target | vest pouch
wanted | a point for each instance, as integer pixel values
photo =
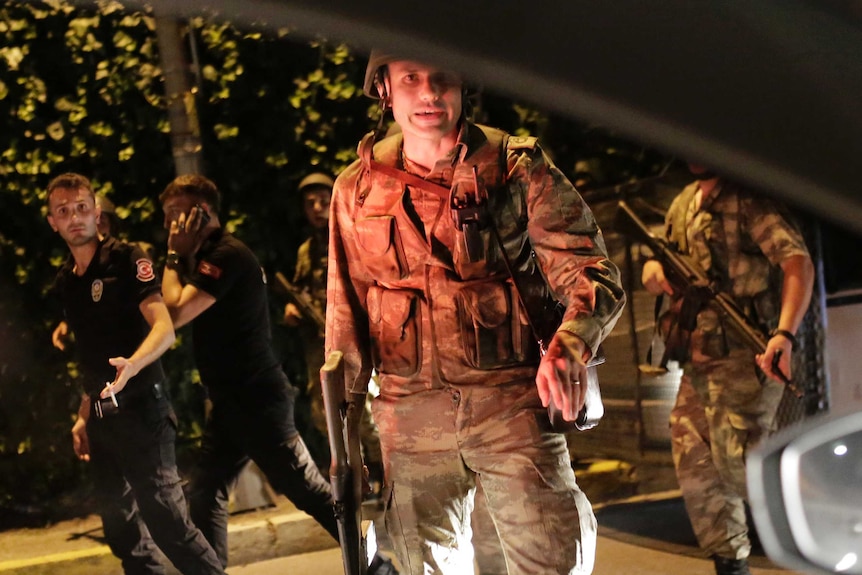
(382, 251)
(491, 336)
(394, 327)
(524, 342)
(709, 339)
(471, 263)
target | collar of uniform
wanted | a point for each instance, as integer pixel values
(100, 255)
(470, 138)
(211, 240)
(103, 252)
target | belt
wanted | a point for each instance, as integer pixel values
(126, 398)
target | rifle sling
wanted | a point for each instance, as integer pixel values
(410, 179)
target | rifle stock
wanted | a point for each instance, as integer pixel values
(685, 276)
(345, 471)
(300, 300)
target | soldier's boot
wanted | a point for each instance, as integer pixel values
(725, 566)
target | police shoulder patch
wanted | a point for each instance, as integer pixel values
(145, 271)
(208, 269)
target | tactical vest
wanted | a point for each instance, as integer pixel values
(484, 296)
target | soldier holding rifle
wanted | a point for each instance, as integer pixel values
(305, 310)
(753, 254)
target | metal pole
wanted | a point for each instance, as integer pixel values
(182, 112)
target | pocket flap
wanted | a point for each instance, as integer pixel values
(488, 304)
(374, 234)
(395, 307)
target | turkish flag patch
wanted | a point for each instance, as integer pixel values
(145, 270)
(208, 269)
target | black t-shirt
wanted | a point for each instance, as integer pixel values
(102, 310)
(232, 339)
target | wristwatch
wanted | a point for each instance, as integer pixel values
(173, 261)
(790, 336)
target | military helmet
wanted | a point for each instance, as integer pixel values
(109, 215)
(106, 205)
(316, 179)
(376, 61)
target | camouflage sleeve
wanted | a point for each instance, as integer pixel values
(303, 264)
(570, 248)
(771, 227)
(674, 220)
(347, 286)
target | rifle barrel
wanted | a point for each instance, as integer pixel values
(300, 299)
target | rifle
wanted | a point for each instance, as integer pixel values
(301, 300)
(696, 286)
(345, 470)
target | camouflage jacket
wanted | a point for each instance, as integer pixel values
(740, 240)
(310, 272)
(403, 295)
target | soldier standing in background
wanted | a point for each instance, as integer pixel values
(309, 283)
(728, 397)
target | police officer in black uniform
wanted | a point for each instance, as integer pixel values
(125, 427)
(214, 279)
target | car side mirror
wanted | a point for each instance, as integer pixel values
(805, 489)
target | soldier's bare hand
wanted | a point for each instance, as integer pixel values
(653, 278)
(292, 315)
(562, 375)
(776, 344)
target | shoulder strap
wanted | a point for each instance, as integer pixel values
(677, 225)
(366, 155)
(410, 179)
(506, 144)
(497, 138)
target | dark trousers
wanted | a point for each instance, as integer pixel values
(257, 424)
(142, 504)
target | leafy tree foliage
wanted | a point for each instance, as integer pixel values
(82, 89)
(78, 92)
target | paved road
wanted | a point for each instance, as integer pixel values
(614, 558)
(647, 534)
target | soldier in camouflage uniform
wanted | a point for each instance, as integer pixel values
(310, 276)
(728, 396)
(418, 289)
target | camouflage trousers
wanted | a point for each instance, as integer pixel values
(436, 443)
(489, 556)
(722, 410)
